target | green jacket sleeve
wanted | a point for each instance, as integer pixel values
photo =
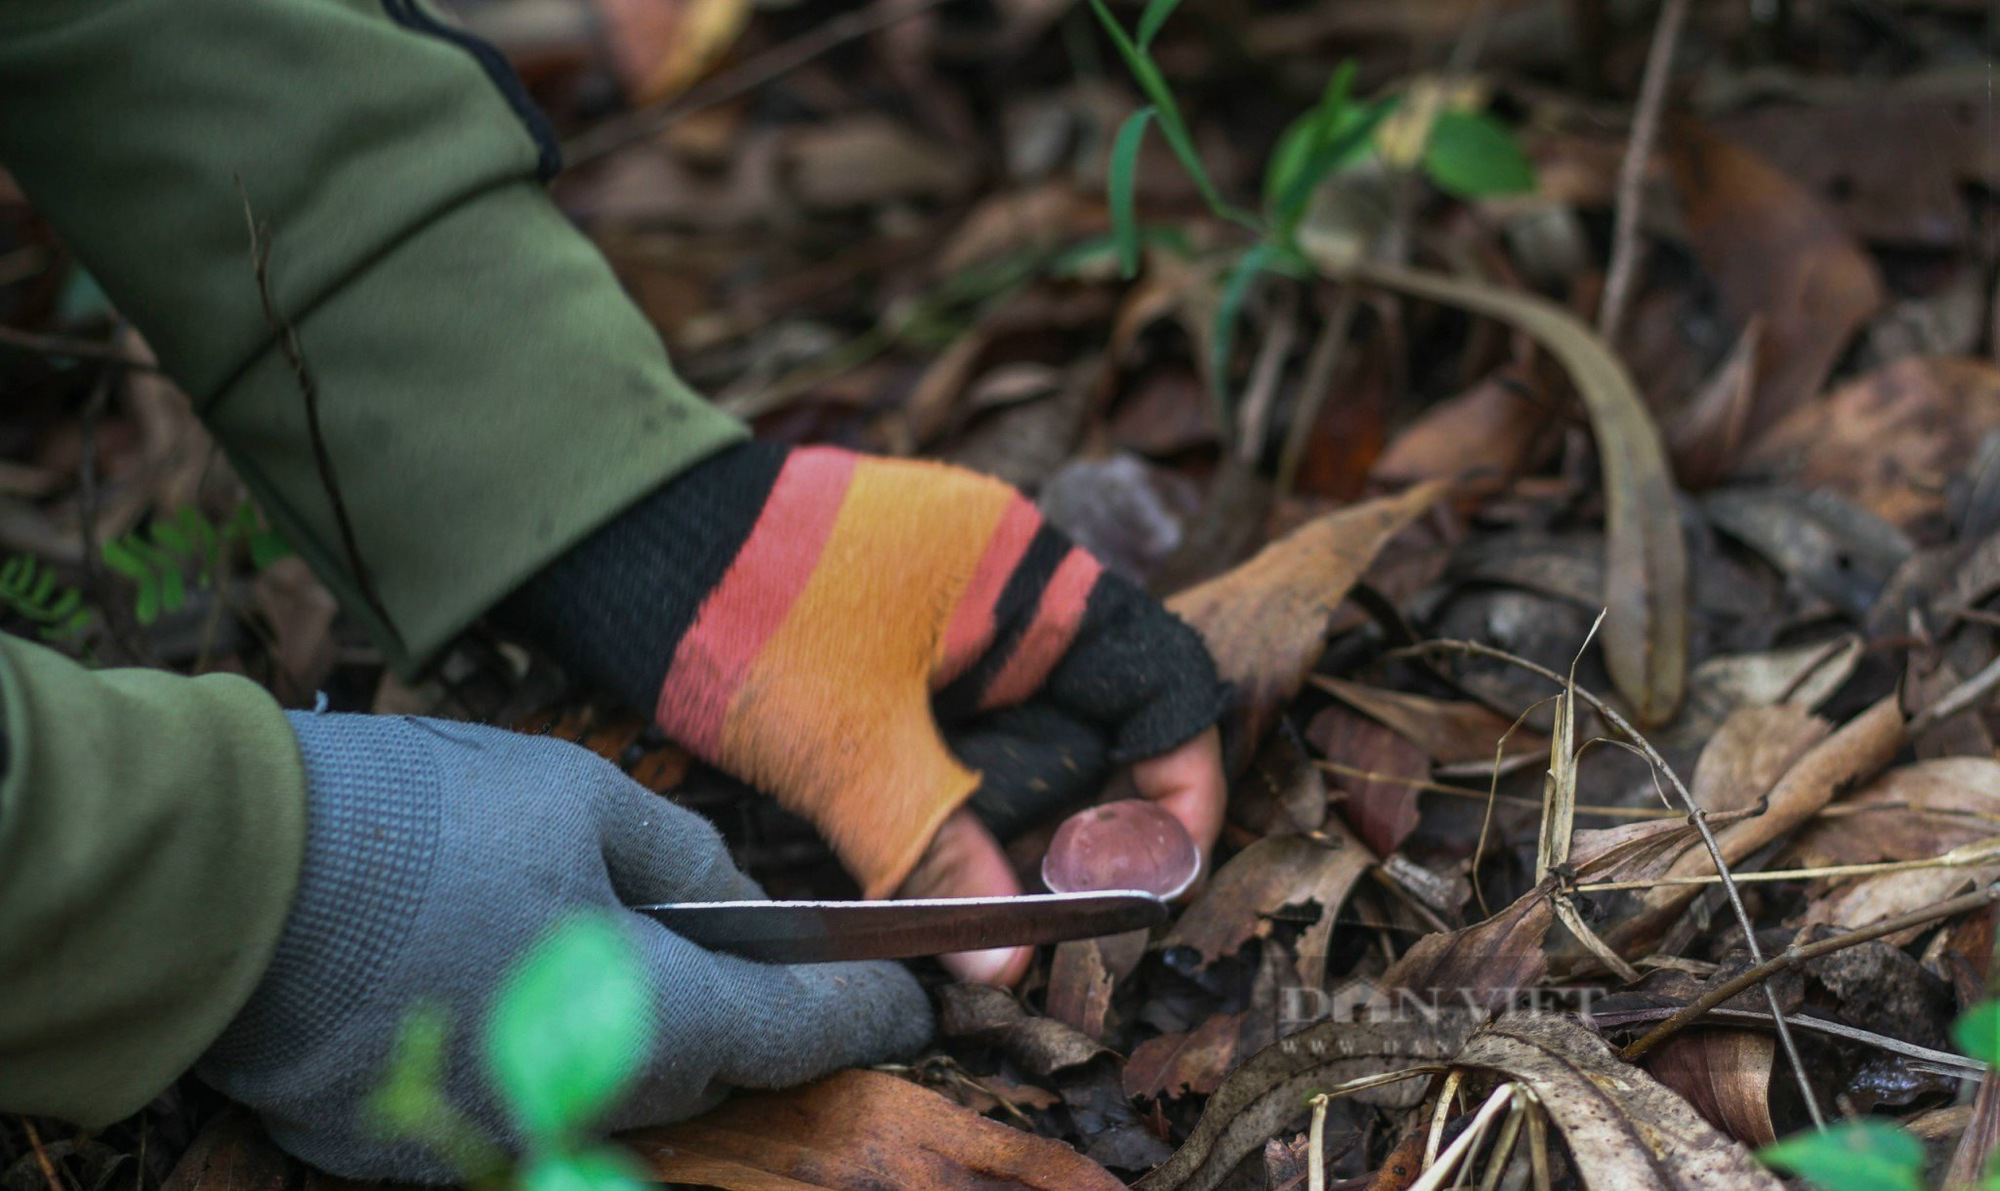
(487, 393)
(151, 832)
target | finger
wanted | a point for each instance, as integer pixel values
(964, 860)
(1187, 782)
(725, 1022)
(656, 851)
(1035, 761)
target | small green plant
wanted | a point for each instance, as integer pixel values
(30, 589)
(1464, 153)
(162, 558)
(1877, 1155)
(564, 1041)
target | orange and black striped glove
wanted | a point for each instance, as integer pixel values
(875, 643)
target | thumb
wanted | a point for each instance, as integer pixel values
(656, 851)
(727, 1023)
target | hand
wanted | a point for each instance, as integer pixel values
(437, 853)
(904, 653)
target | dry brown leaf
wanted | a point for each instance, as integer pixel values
(662, 47)
(1449, 732)
(1041, 1045)
(855, 1130)
(1382, 810)
(300, 612)
(1886, 895)
(1479, 966)
(1706, 436)
(862, 159)
(1773, 250)
(1858, 750)
(1725, 1075)
(1479, 439)
(1908, 813)
(1753, 749)
(1269, 1091)
(1195, 1061)
(1625, 1131)
(1280, 870)
(1890, 440)
(232, 1153)
(1266, 621)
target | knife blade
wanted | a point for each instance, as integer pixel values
(817, 932)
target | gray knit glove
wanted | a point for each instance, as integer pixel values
(437, 853)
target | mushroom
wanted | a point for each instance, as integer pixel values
(1131, 844)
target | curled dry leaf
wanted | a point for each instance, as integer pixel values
(1277, 871)
(1645, 571)
(1266, 621)
(1773, 251)
(855, 1130)
(1042, 1046)
(1265, 1094)
(1725, 1075)
(1624, 1130)
(1891, 439)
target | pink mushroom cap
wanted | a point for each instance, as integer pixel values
(1131, 844)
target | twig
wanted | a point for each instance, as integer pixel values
(287, 338)
(1965, 857)
(1632, 173)
(1794, 955)
(1415, 783)
(771, 64)
(75, 349)
(1803, 1021)
(1959, 698)
(41, 1155)
(1695, 813)
(1322, 365)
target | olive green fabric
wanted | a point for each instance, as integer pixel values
(488, 394)
(151, 832)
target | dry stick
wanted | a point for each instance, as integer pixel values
(1965, 857)
(1795, 955)
(1416, 783)
(1321, 366)
(1959, 698)
(75, 349)
(1632, 173)
(287, 338)
(773, 63)
(1812, 1025)
(1696, 815)
(41, 1155)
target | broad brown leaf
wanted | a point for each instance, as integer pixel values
(1725, 1075)
(1277, 871)
(855, 1130)
(1266, 621)
(1773, 250)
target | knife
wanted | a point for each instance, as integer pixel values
(817, 932)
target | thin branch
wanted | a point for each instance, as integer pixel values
(1793, 956)
(1632, 174)
(1960, 698)
(1695, 813)
(1416, 783)
(1804, 1021)
(74, 349)
(1966, 857)
(766, 67)
(287, 338)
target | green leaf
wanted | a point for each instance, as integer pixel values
(1154, 86)
(1471, 155)
(599, 1168)
(1860, 1155)
(122, 555)
(410, 1100)
(1235, 290)
(571, 1027)
(1156, 14)
(1124, 164)
(1978, 1032)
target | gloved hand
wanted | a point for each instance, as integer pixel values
(437, 853)
(827, 626)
